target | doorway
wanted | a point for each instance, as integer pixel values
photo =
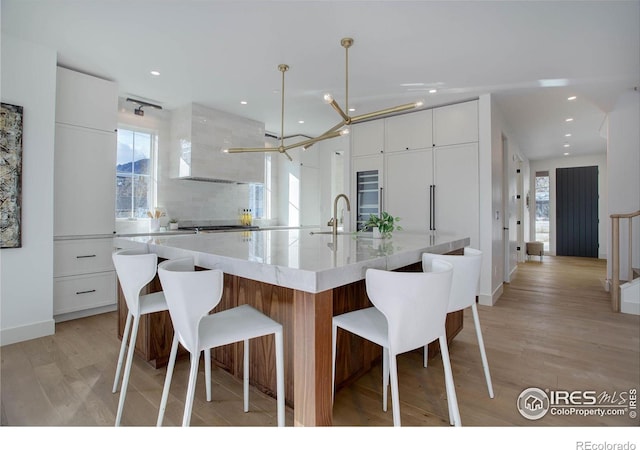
(577, 211)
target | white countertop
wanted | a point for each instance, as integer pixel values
(295, 258)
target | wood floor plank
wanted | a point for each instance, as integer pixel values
(552, 328)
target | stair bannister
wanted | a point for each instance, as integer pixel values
(615, 256)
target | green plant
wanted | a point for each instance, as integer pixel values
(173, 220)
(386, 223)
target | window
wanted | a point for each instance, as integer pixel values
(260, 194)
(135, 170)
(542, 208)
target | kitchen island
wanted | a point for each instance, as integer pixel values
(301, 280)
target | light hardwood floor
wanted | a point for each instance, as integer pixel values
(552, 328)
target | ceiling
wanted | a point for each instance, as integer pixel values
(219, 53)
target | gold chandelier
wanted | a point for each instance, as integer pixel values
(346, 118)
(338, 129)
(284, 148)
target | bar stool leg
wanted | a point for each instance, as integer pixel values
(167, 380)
(483, 354)
(280, 378)
(245, 375)
(451, 388)
(123, 346)
(127, 369)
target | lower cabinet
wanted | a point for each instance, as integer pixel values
(84, 280)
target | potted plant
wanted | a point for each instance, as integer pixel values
(383, 225)
(173, 223)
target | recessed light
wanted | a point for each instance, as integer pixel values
(432, 91)
(573, 97)
(155, 73)
(352, 109)
(411, 84)
(557, 82)
(569, 119)
(567, 135)
(566, 145)
(566, 153)
(300, 121)
(243, 102)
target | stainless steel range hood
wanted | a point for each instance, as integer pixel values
(198, 136)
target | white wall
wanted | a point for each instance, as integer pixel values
(623, 162)
(26, 273)
(551, 165)
(493, 126)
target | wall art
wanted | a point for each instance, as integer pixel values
(10, 176)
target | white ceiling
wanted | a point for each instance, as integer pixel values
(218, 53)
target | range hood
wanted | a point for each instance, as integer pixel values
(198, 136)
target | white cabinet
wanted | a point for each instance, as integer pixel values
(82, 256)
(367, 138)
(408, 180)
(456, 194)
(84, 277)
(408, 131)
(455, 124)
(84, 181)
(435, 189)
(83, 292)
(84, 195)
(86, 101)
(427, 172)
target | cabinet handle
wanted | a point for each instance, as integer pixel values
(85, 256)
(430, 222)
(381, 203)
(433, 205)
(85, 292)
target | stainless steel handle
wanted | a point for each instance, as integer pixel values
(430, 218)
(381, 203)
(433, 206)
(85, 292)
(86, 256)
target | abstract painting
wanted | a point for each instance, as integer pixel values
(10, 175)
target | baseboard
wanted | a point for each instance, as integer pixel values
(85, 313)
(27, 332)
(490, 300)
(630, 297)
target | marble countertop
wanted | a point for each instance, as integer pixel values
(295, 258)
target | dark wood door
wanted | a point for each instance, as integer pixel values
(577, 211)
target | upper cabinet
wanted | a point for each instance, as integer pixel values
(86, 101)
(409, 131)
(367, 138)
(85, 155)
(199, 136)
(455, 124)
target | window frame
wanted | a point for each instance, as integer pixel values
(153, 163)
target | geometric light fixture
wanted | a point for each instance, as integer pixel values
(348, 120)
(338, 129)
(283, 148)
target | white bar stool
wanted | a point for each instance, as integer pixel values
(191, 295)
(464, 288)
(408, 313)
(135, 269)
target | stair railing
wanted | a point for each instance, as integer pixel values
(615, 255)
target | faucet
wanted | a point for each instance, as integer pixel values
(334, 219)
